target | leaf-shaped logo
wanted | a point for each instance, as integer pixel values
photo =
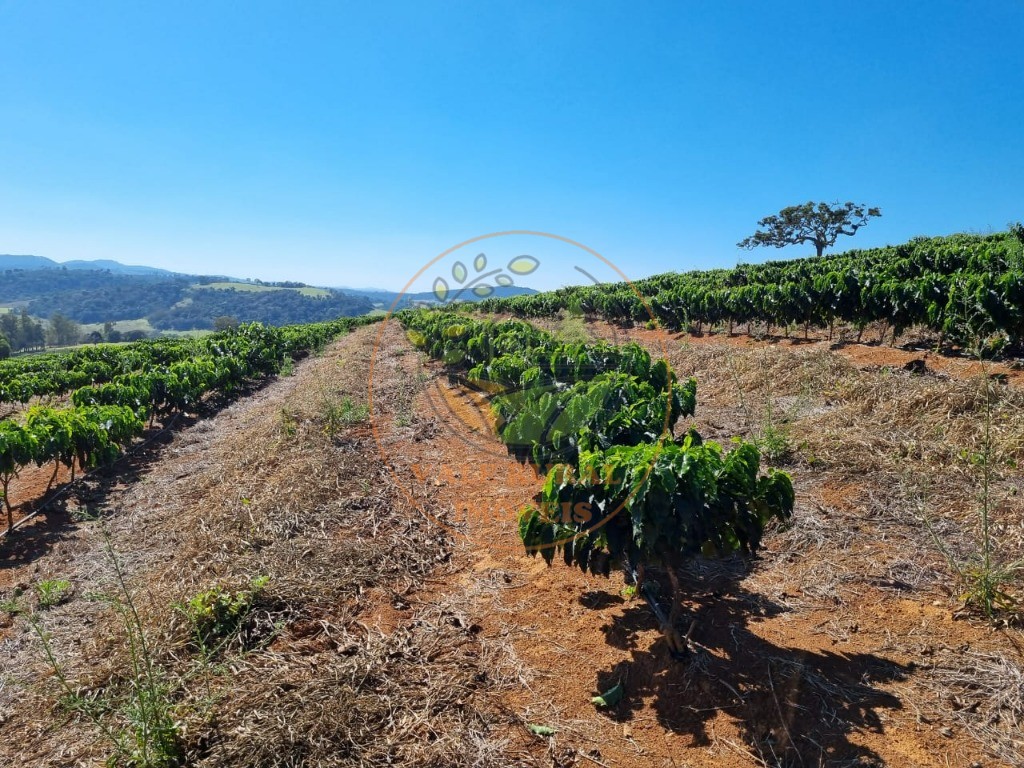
(523, 265)
(440, 289)
(478, 282)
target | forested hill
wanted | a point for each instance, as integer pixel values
(169, 302)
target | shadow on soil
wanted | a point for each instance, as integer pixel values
(90, 496)
(794, 707)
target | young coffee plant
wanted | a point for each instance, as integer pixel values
(216, 615)
(656, 505)
(626, 492)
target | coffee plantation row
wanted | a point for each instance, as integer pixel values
(115, 389)
(58, 373)
(963, 287)
(621, 490)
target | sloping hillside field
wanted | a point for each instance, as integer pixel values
(549, 533)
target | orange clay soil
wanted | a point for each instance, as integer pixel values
(794, 665)
(29, 489)
(863, 355)
(779, 679)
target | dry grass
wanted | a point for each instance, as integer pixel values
(415, 696)
(983, 693)
(901, 440)
(340, 662)
(876, 453)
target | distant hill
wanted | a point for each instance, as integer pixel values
(116, 267)
(169, 301)
(8, 261)
(384, 298)
(103, 291)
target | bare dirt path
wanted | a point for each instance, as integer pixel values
(285, 486)
(399, 595)
(834, 651)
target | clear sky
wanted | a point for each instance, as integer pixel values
(349, 143)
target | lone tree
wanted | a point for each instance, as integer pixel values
(819, 223)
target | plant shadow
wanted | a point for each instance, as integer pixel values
(793, 706)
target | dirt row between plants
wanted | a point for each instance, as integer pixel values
(403, 625)
(279, 504)
(912, 349)
(841, 647)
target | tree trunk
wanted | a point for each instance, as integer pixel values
(53, 477)
(7, 504)
(676, 643)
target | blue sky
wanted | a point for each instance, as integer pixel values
(350, 143)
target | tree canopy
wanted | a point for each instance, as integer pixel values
(63, 330)
(817, 223)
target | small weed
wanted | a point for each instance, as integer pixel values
(216, 615)
(403, 420)
(83, 514)
(287, 367)
(289, 426)
(12, 605)
(337, 415)
(985, 577)
(769, 435)
(809, 456)
(773, 442)
(136, 716)
(52, 592)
